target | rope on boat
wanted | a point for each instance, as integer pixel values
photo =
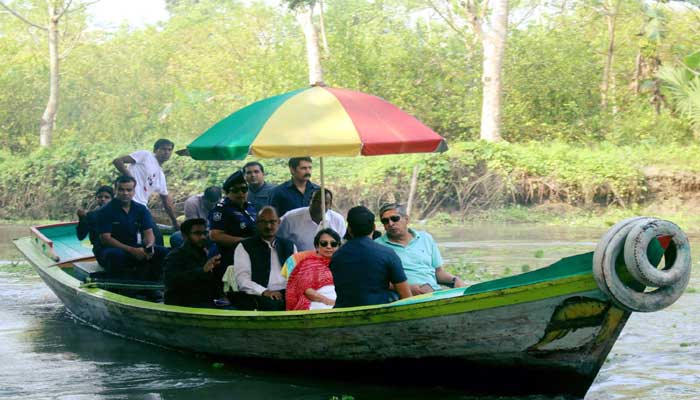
(623, 271)
(119, 285)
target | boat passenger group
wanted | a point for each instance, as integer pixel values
(261, 246)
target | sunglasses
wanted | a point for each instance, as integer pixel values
(268, 221)
(393, 218)
(199, 233)
(326, 243)
(238, 189)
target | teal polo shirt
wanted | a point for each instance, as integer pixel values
(420, 258)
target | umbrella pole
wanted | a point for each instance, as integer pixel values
(323, 199)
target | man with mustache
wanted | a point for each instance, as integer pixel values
(296, 192)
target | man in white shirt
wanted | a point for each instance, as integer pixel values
(257, 265)
(145, 167)
(300, 225)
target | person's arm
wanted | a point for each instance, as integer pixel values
(221, 238)
(447, 279)
(318, 297)
(192, 209)
(83, 227)
(242, 273)
(109, 241)
(120, 164)
(149, 239)
(169, 209)
(403, 289)
(179, 272)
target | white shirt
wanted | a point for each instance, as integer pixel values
(149, 176)
(298, 227)
(243, 275)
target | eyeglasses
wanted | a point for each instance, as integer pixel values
(238, 189)
(199, 233)
(393, 218)
(268, 221)
(326, 243)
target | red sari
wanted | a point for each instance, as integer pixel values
(311, 273)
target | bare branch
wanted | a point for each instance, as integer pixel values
(449, 20)
(64, 9)
(18, 15)
(82, 6)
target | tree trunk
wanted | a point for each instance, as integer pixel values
(494, 43)
(48, 119)
(324, 39)
(610, 17)
(304, 17)
(637, 72)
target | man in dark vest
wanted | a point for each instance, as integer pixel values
(257, 265)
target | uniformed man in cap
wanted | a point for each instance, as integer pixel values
(232, 220)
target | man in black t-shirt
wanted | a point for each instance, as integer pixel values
(363, 270)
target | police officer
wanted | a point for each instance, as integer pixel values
(232, 220)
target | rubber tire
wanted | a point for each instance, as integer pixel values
(599, 256)
(636, 259)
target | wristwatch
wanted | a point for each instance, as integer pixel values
(454, 281)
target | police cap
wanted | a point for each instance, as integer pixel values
(236, 178)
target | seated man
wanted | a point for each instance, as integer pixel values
(417, 250)
(257, 265)
(126, 248)
(197, 206)
(362, 269)
(232, 220)
(300, 225)
(188, 276)
(87, 221)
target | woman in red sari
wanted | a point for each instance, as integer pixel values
(310, 285)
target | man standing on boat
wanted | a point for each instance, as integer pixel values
(127, 246)
(146, 168)
(300, 225)
(296, 192)
(87, 221)
(232, 220)
(364, 270)
(259, 191)
(418, 251)
(187, 272)
(258, 263)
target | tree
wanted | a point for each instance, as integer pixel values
(55, 11)
(304, 10)
(488, 23)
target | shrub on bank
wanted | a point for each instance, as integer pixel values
(52, 183)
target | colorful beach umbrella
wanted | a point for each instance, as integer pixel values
(316, 121)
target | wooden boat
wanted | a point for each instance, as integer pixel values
(544, 331)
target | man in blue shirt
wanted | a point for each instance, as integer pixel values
(232, 220)
(126, 248)
(259, 191)
(296, 192)
(362, 269)
(417, 250)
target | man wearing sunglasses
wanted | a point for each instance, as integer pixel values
(417, 250)
(188, 276)
(232, 220)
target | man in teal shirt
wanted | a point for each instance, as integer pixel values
(417, 250)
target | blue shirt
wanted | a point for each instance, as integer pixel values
(234, 221)
(420, 257)
(287, 197)
(261, 197)
(124, 227)
(362, 270)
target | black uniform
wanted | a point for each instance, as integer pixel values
(234, 221)
(186, 283)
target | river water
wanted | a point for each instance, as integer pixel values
(46, 354)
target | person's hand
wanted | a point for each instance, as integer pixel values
(274, 295)
(138, 252)
(420, 289)
(212, 263)
(81, 213)
(328, 302)
(460, 283)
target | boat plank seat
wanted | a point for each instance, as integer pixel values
(88, 269)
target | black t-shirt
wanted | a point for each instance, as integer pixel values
(362, 270)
